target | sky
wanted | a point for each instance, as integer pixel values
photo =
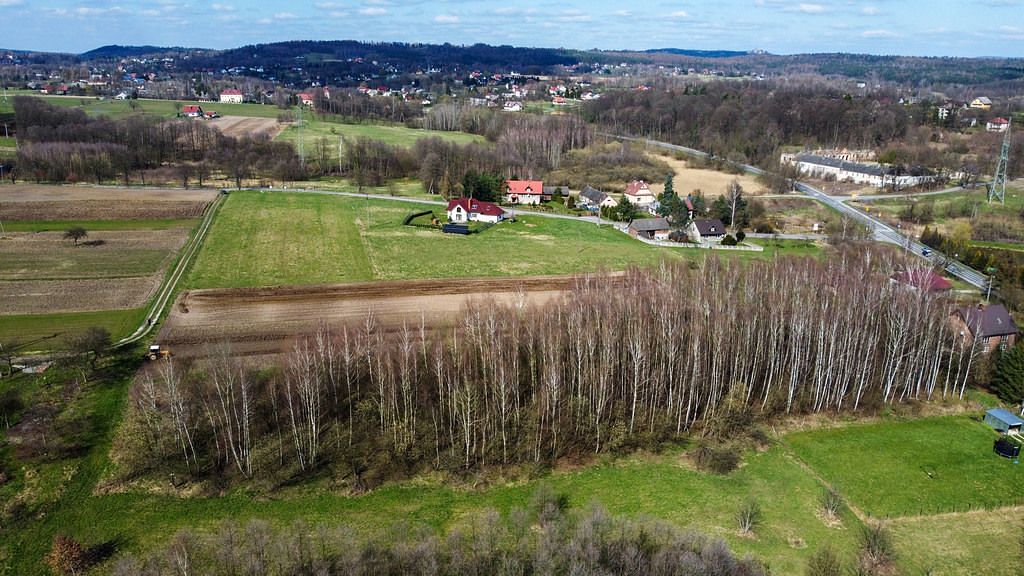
(907, 27)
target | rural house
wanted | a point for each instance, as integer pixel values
(462, 210)
(650, 228)
(305, 98)
(981, 103)
(992, 323)
(191, 111)
(700, 230)
(997, 125)
(923, 279)
(639, 193)
(231, 95)
(593, 199)
(524, 191)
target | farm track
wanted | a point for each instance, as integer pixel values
(257, 321)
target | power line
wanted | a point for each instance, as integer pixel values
(997, 188)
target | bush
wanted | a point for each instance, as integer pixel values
(877, 552)
(741, 236)
(729, 240)
(824, 562)
(831, 502)
(717, 459)
(749, 516)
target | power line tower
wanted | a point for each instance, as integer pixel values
(997, 188)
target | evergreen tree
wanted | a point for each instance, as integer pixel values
(1008, 381)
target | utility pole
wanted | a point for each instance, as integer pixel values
(991, 278)
(997, 188)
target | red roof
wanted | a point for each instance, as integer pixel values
(1000, 121)
(472, 205)
(191, 109)
(923, 279)
(525, 187)
(305, 97)
(638, 188)
(231, 92)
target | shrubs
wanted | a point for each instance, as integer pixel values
(831, 503)
(717, 459)
(66, 556)
(877, 552)
(749, 516)
(729, 240)
(824, 562)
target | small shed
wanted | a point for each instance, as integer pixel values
(1003, 420)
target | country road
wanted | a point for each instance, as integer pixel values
(880, 231)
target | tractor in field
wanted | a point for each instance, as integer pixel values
(156, 352)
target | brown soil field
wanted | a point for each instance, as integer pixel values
(51, 296)
(236, 126)
(710, 182)
(256, 321)
(40, 202)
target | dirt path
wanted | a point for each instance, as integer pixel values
(265, 320)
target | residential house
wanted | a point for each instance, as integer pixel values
(639, 193)
(191, 111)
(923, 279)
(524, 191)
(843, 171)
(462, 210)
(699, 231)
(991, 323)
(231, 95)
(997, 125)
(306, 98)
(593, 199)
(650, 228)
(513, 106)
(981, 103)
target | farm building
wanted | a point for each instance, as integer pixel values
(639, 193)
(593, 199)
(462, 210)
(991, 323)
(857, 173)
(651, 228)
(524, 191)
(306, 99)
(192, 111)
(997, 125)
(232, 95)
(1003, 420)
(981, 103)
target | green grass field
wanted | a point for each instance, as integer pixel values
(265, 239)
(51, 328)
(927, 466)
(96, 225)
(314, 129)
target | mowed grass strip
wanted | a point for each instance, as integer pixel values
(98, 225)
(963, 544)
(267, 239)
(926, 466)
(51, 329)
(82, 262)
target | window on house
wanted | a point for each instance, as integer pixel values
(1003, 340)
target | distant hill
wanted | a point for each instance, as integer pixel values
(698, 53)
(117, 51)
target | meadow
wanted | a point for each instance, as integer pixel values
(278, 238)
(315, 128)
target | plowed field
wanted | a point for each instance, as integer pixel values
(40, 202)
(264, 320)
(246, 126)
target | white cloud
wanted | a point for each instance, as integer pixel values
(810, 8)
(373, 11)
(329, 5)
(222, 7)
(10, 3)
(338, 14)
(264, 21)
(89, 11)
(880, 33)
(446, 19)
(285, 16)
(679, 14)
(622, 13)
(869, 10)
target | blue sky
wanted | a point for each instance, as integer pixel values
(935, 28)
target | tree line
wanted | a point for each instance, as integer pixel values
(63, 144)
(619, 362)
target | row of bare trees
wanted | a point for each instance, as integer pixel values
(618, 361)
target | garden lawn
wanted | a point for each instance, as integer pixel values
(927, 466)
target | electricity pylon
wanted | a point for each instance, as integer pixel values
(997, 188)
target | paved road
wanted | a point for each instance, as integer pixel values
(880, 231)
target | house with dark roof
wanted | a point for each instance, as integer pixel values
(462, 210)
(991, 323)
(923, 279)
(699, 231)
(839, 170)
(593, 199)
(650, 228)
(524, 191)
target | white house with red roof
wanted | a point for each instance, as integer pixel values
(231, 95)
(639, 193)
(192, 111)
(997, 125)
(306, 98)
(524, 191)
(462, 210)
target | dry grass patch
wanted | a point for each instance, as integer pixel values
(42, 202)
(48, 296)
(108, 254)
(711, 183)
